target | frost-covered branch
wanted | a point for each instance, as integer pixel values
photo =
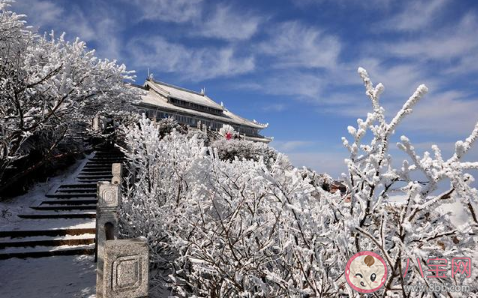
(415, 226)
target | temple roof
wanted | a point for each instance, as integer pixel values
(183, 94)
(158, 93)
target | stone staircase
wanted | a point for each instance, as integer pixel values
(63, 223)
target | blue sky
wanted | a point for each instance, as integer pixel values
(293, 64)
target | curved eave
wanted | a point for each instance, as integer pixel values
(175, 109)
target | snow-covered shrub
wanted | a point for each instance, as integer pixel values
(226, 228)
(156, 168)
(167, 125)
(48, 83)
(236, 227)
(250, 231)
(416, 228)
(243, 149)
(227, 131)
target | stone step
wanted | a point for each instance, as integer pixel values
(76, 190)
(97, 166)
(90, 181)
(47, 251)
(83, 239)
(95, 171)
(63, 214)
(95, 177)
(68, 186)
(108, 159)
(100, 170)
(48, 232)
(103, 167)
(92, 170)
(71, 201)
(97, 174)
(72, 195)
(102, 162)
(93, 180)
(65, 207)
(109, 153)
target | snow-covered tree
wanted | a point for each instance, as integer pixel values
(226, 228)
(416, 228)
(243, 149)
(236, 227)
(167, 125)
(50, 84)
(227, 131)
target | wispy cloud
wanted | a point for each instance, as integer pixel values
(188, 63)
(175, 11)
(293, 44)
(370, 4)
(227, 23)
(331, 163)
(416, 15)
(448, 113)
(344, 93)
(290, 146)
(442, 45)
(102, 27)
(221, 21)
(277, 107)
(400, 80)
(40, 13)
(298, 84)
(308, 153)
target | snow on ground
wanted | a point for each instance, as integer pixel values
(58, 276)
(21, 204)
(458, 215)
(49, 277)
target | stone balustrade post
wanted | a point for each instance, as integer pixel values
(109, 200)
(122, 265)
(117, 171)
(96, 123)
(127, 265)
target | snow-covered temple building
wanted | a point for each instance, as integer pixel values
(189, 107)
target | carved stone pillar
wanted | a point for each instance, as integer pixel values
(96, 123)
(126, 267)
(109, 199)
(117, 171)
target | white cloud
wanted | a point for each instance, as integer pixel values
(221, 22)
(277, 107)
(369, 4)
(293, 83)
(450, 113)
(331, 163)
(400, 80)
(417, 15)
(176, 11)
(294, 45)
(188, 63)
(444, 44)
(102, 26)
(229, 24)
(290, 146)
(39, 13)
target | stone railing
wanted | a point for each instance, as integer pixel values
(122, 265)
